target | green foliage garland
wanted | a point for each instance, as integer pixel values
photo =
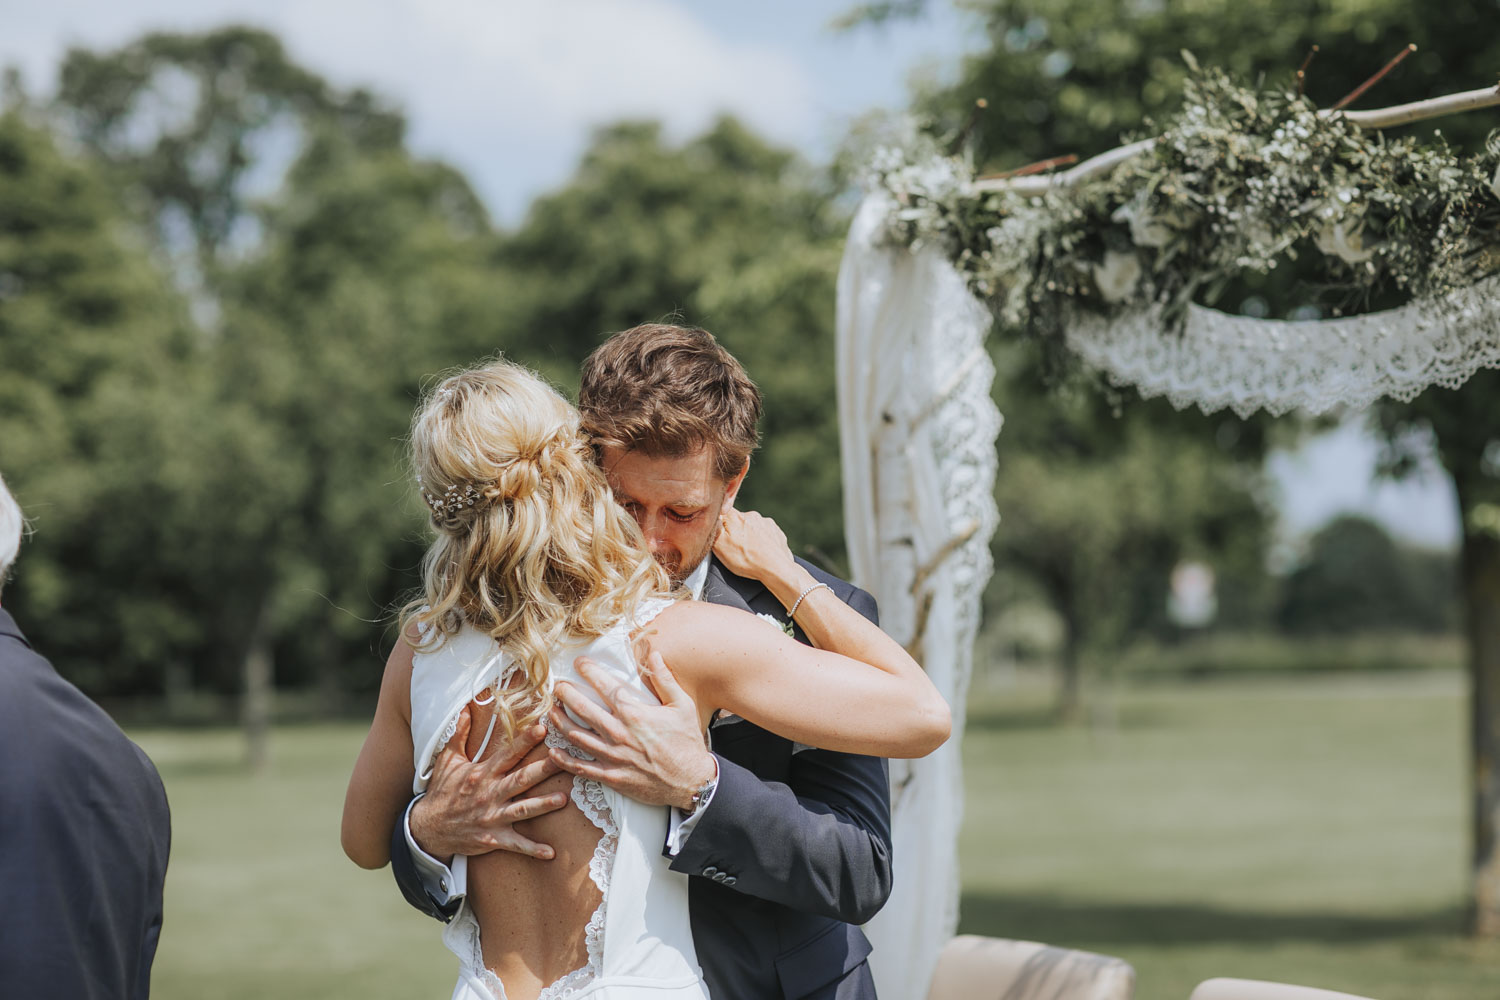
(1240, 181)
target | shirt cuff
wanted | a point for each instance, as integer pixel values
(680, 824)
(442, 882)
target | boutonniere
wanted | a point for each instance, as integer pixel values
(785, 625)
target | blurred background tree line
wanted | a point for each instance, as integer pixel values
(223, 283)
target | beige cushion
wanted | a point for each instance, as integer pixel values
(980, 968)
(1254, 989)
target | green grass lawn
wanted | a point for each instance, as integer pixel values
(1308, 830)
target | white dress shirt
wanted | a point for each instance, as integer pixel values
(446, 883)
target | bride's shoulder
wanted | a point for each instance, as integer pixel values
(702, 623)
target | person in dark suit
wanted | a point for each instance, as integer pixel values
(789, 847)
(84, 831)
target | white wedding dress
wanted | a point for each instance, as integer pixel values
(639, 941)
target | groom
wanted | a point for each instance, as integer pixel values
(787, 847)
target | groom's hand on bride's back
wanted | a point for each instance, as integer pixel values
(653, 753)
(471, 807)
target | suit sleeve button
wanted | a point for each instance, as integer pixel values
(710, 872)
(731, 880)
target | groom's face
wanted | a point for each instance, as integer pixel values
(676, 501)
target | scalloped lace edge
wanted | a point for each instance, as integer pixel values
(588, 795)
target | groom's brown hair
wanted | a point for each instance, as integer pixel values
(667, 391)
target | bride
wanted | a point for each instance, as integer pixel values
(533, 567)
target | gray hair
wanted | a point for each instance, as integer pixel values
(11, 527)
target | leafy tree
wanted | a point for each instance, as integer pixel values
(319, 310)
(316, 311)
(187, 121)
(1356, 578)
(1098, 507)
(98, 403)
(372, 276)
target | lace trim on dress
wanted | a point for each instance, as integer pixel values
(588, 795)
(647, 612)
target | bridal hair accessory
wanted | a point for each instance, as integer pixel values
(451, 500)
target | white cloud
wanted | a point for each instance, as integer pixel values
(507, 90)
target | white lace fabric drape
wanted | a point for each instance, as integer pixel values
(1221, 360)
(917, 435)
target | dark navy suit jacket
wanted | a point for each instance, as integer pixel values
(791, 854)
(84, 833)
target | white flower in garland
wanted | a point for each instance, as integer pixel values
(1495, 182)
(1118, 276)
(1150, 229)
(1344, 241)
(1341, 234)
(1145, 229)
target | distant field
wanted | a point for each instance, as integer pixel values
(1307, 830)
(1302, 829)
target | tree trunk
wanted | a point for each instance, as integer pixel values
(1481, 585)
(1069, 680)
(259, 682)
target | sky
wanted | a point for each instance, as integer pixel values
(510, 91)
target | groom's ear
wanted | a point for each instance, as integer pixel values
(732, 488)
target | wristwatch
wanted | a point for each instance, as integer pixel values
(704, 792)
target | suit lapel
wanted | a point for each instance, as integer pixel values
(722, 587)
(9, 627)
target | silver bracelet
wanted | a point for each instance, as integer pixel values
(803, 596)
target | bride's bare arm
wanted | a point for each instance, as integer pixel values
(380, 787)
(871, 698)
(474, 805)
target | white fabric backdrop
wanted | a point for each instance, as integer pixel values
(917, 433)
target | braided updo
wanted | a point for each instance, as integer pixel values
(530, 546)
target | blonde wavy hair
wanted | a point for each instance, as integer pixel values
(530, 545)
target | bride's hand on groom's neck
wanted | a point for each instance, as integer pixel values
(754, 546)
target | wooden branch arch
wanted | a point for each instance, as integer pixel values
(1380, 118)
